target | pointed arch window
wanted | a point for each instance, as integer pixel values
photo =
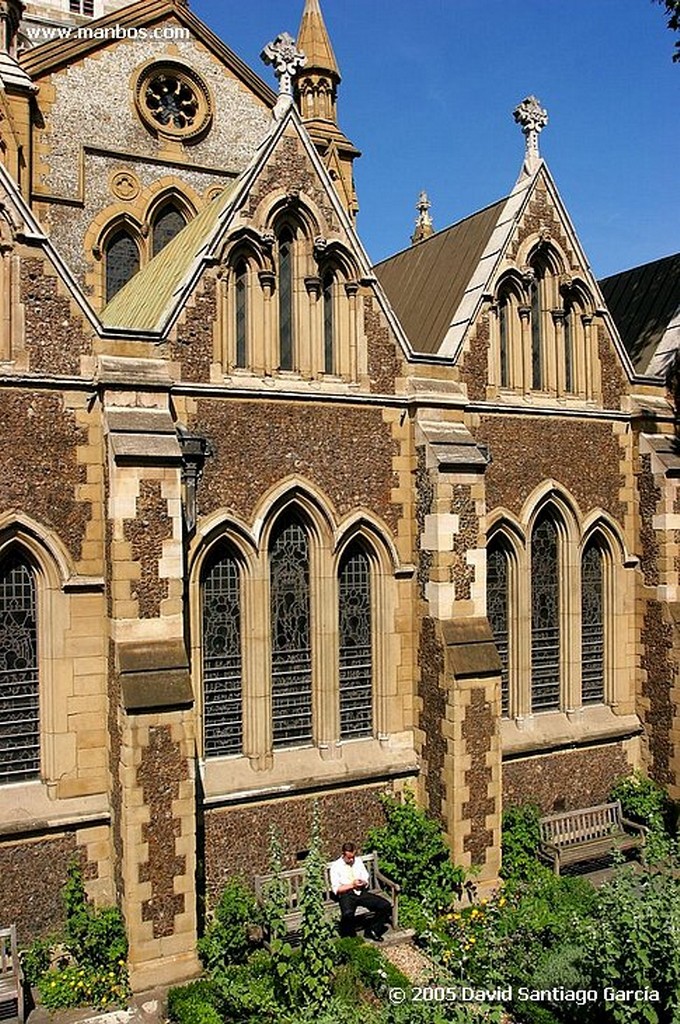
(19, 689)
(497, 605)
(221, 648)
(241, 313)
(355, 636)
(569, 340)
(122, 261)
(536, 331)
(504, 314)
(592, 624)
(167, 223)
(286, 319)
(545, 616)
(291, 635)
(329, 322)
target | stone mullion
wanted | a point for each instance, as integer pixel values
(521, 621)
(268, 348)
(314, 326)
(351, 368)
(589, 354)
(257, 695)
(559, 371)
(382, 619)
(570, 625)
(325, 653)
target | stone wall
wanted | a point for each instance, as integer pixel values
(565, 780)
(237, 838)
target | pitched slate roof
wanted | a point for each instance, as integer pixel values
(645, 304)
(426, 283)
(148, 296)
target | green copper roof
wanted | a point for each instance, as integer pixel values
(146, 299)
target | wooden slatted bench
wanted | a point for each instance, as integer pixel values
(571, 837)
(11, 980)
(293, 882)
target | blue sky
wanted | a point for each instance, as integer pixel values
(428, 91)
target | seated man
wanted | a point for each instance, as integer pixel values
(349, 882)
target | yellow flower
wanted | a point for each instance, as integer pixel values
(475, 913)
(456, 917)
(502, 901)
(472, 940)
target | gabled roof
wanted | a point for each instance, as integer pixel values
(426, 283)
(645, 304)
(58, 52)
(153, 299)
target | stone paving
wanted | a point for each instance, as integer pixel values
(145, 1008)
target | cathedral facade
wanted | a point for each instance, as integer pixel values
(278, 526)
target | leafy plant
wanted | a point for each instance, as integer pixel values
(194, 1003)
(413, 852)
(646, 802)
(227, 937)
(520, 841)
(316, 931)
(87, 966)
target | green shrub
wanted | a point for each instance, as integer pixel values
(227, 936)
(194, 1003)
(646, 802)
(372, 969)
(520, 841)
(90, 967)
(412, 852)
(633, 942)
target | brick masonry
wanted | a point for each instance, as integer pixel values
(237, 839)
(346, 452)
(192, 346)
(478, 729)
(650, 497)
(475, 364)
(160, 773)
(432, 714)
(290, 169)
(657, 709)
(383, 357)
(566, 780)
(54, 336)
(146, 533)
(41, 471)
(584, 457)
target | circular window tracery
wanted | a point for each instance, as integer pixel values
(173, 100)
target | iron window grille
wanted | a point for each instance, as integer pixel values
(356, 665)
(222, 683)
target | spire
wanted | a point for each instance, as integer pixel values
(314, 41)
(533, 119)
(424, 225)
(315, 89)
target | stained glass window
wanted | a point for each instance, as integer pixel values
(122, 262)
(19, 692)
(286, 300)
(241, 313)
(328, 324)
(222, 688)
(592, 625)
(291, 636)
(545, 617)
(497, 596)
(167, 223)
(356, 668)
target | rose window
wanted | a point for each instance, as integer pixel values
(173, 100)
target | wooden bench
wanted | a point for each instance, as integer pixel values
(11, 980)
(294, 879)
(571, 837)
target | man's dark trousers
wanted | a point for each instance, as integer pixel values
(349, 901)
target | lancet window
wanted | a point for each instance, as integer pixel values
(222, 683)
(286, 299)
(545, 615)
(592, 624)
(19, 684)
(122, 261)
(291, 635)
(498, 607)
(355, 644)
(167, 223)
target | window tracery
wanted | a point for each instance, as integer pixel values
(291, 635)
(167, 223)
(19, 683)
(545, 616)
(355, 641)
(497, 604)
(221, 650)
(285, 285)
(592, 625)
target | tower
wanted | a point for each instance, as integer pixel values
(316, 92)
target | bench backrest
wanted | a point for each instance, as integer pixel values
(570, 827)
(294, 880)
(9, 958)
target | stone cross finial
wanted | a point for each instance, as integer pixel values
(424, 226)
(286, 60)
(533, 119)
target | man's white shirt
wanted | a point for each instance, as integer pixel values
(343, 873)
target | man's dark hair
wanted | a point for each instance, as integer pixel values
(349, 848)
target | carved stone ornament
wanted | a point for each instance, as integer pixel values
(532, 118)
(285, 59)
(528, 274)
(125, 185)
(268, 238)
(173, 100)
(566, 283)
(320, 246)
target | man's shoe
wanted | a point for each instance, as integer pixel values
(374, 936)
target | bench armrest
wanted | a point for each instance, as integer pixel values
(635, 826)
(386, 882)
